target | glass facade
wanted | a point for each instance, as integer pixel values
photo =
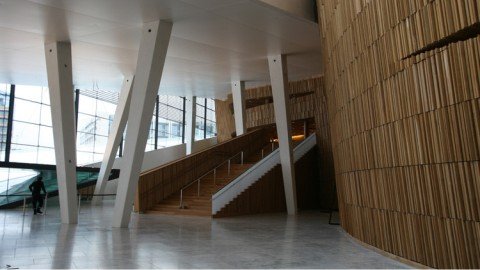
(4, 105)
(205, 124)
(95, 118)
(32, 133)
(31, 130)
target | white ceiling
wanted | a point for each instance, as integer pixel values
(213, 42)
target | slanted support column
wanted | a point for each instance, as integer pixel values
(190, 117)
(281, 104)
(59, 70)
(238, 89)
(115, 137)
(151, 59)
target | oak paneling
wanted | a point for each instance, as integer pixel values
(161, 182)
(267, 195)
(406, 129)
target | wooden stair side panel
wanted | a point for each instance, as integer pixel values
(264, 196)
(267, 195)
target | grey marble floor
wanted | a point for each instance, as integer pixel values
(261, 241)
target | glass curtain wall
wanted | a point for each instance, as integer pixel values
(4, 108)
(95, 118)
(170, 121)
(205, 124)
(32, 134)
(211, 125)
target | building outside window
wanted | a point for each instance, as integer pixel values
(32, 134)
(4, 105)
(205, 124)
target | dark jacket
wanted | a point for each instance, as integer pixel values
(36, 187)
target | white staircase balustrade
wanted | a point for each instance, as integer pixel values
(252, 175)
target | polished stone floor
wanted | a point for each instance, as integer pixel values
(261, 241)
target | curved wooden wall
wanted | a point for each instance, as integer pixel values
(403, 90)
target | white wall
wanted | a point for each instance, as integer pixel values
(302, 8)
(204, 144)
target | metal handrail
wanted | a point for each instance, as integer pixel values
(214, 170)
(273, 148)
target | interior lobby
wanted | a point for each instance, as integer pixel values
(221, 134)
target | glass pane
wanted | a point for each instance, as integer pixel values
(210, 115)
(46, 155)
(86, 123)
(4, 105)
(84, 158)
(24, 133)
(85, 142)
(23, 153)
(200, 111)
(102, 126)
(211, 104)
(201, 101)
(45, 96)
(46, 116)
(175, 114)
(100, 144)
(26, 111)
(28, 92)
(176, 102)
(97, 157)
(105, 109)
(46, 137)
(87, 105)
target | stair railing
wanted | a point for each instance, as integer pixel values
(214, 170)
(268, 147)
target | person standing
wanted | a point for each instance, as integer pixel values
(37, 199)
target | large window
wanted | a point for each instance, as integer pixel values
(205, 124)
(4, 106)
(95, 117)
(32, 135)
(170, 121)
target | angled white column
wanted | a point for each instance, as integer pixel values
(151, 59)
(115, 137)
(58, 57)
(190, 117)
(238, 90)
(281, 104)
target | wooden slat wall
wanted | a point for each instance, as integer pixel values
(225, 120)
(159, 183)
(268, 196)
(302, 107)
(406, 130)
(308, 106)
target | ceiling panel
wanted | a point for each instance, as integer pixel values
(213, 42)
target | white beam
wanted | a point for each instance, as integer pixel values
(238, 93)
(281, 103)
(114, 139)
(59, 71)
(190, 118)
(151, 59)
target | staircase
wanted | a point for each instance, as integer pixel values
(197, 198)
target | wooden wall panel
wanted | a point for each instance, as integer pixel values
(159, 183)
(308, 100)
(403, 95)
(268, 196)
